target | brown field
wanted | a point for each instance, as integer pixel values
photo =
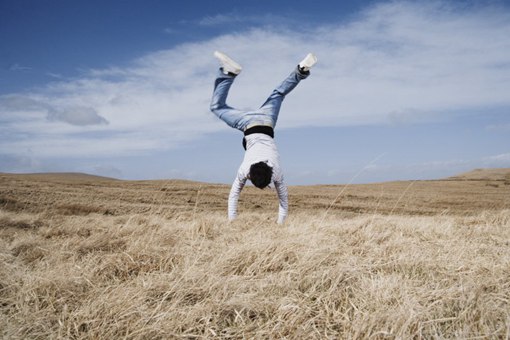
(91, 257)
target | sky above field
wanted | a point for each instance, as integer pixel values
(402, 89)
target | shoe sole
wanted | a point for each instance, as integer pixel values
(226, 61)
(309, 61)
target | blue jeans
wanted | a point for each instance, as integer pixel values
(267, 114)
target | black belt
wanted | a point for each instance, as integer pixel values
(264, 129)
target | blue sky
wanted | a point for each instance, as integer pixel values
(402, 89)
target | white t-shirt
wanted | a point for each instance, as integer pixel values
(259, 148)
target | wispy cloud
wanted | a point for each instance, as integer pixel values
(395, 62)
(72, 114)
(219, 19)
(236, 18)
(77, 115)
(170, 30)
(501, 159)
(54, 75)
(18, 67)
(423, 170)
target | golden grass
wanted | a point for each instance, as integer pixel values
(113, 259)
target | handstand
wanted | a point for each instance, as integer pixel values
(261, 162)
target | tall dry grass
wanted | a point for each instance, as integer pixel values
(192, 275)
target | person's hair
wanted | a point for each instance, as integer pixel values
(260, 174)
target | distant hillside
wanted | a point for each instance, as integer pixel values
(498, 174)
(64, 176)
(493, 174)
(78, 177)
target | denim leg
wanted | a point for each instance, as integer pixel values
(272, 105)
(219, 107)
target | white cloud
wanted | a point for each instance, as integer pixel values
(77, 115)
(499, 160)
(218, 20)
(395, 62)
(18, 67)
(170, 30)
(235, 18)
(71, 114)
(54, 75)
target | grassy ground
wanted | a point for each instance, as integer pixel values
(86, 257)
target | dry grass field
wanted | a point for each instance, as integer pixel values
(90, 257)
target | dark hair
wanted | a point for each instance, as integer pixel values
(260, 174)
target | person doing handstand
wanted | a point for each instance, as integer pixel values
(261, 164)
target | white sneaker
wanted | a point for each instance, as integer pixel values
(228, 65)
(307, 63)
